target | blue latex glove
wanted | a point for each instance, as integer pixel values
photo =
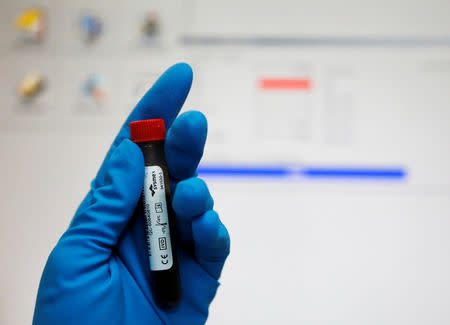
(98, 273)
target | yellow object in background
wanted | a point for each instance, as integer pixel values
(31, 85)
(32, 22)
(29, 18)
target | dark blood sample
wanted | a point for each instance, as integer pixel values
(158, 212)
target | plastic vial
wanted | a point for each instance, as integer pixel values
(158, 212)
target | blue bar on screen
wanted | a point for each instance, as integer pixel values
(353, 172)
(393, 173)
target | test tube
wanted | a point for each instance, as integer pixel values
(150, 135)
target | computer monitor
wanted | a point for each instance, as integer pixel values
(327, 153)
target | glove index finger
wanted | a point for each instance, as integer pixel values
(164, 100)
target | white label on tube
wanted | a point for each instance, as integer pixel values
(157, 219)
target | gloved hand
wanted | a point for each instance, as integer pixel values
(98, 273)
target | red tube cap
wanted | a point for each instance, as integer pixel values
(147, 130)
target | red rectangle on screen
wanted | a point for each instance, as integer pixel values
(284, 84)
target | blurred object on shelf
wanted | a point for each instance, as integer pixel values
(151, 26)
(95, 88)
(32, 23)
(31, 86)
(91, 27)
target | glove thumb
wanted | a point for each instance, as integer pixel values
(99, 224)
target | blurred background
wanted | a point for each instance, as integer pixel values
(327, 154)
